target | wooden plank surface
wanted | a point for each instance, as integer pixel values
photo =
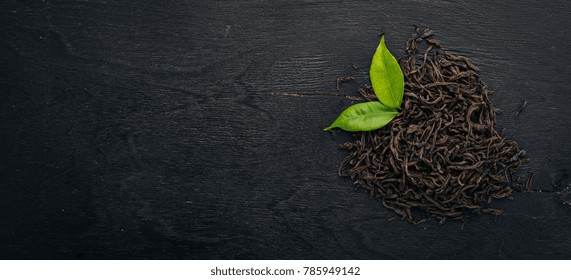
(193, 129)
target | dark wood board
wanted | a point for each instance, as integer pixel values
(193, 129)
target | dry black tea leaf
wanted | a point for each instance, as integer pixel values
(441, 157)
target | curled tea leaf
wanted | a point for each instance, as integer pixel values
(364, 116)
(386, 77)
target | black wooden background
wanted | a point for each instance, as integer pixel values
(193, 129)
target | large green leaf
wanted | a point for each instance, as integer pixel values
(386, 77)
(364, 116)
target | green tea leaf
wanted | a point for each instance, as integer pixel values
(386, 77)
(364, 116)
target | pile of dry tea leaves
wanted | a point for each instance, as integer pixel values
(442, 154)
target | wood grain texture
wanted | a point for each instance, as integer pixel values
(193, 129)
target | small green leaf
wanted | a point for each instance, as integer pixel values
(386, 77)
(364, 116)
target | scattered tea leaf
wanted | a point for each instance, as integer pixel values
(386, 77)
(364, 116)
(418, 162)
